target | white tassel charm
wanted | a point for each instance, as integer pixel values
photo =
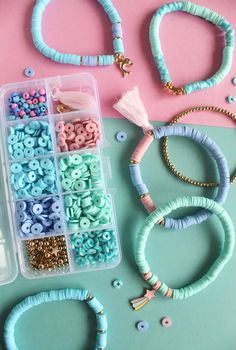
(132, 108)
(75, 100)
(139, 303)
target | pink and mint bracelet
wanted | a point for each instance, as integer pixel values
(100, 60)
(208, 15)
(227, 247)
(51, 296)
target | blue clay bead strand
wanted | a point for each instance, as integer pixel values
(94, 247)
(52, 296)
(206, 14)
(226, 251)
(216, 153)
(60, 57)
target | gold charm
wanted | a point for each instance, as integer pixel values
(123, 63)
(61, 108)
(175, 90)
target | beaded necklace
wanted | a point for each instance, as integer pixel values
(206, 14)
(100, 60)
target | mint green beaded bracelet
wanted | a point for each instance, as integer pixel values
(204, 281)
(206, 14)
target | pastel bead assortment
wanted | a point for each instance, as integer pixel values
(117, 284)
(77, 134)
(87, 210)
(29, 72)
(94, 247)
(142, 326)
(39, 217)
(80, 172)
(27, 104)
(166, 322)
(47, 253)
(33, 178)
(29, 140)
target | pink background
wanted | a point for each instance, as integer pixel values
(192, 47)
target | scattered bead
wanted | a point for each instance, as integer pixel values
(121, 136)
(231, 99)
(26, 104)
(47, 253)
(87, 210)
(142, 326)
(77, 134)
(29, 72)
(117, 284)
(29, 140)
(166, 322)
(39, 217)
(33, 178)
(80, 172)
(94, 247)
(234, 80)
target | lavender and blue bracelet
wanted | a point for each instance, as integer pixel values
(200, 138)
(100, 60)
(51, 296)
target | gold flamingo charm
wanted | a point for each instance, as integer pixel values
(123, 63)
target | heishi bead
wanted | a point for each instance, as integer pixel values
(80, 172)
(77, 134)
(33, 178)
(87, 210)
(39, 217)
(27, 138)
(19, 103)
(89, 248)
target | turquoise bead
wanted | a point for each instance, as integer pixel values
(33, 138)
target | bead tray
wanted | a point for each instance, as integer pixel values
(60, 214)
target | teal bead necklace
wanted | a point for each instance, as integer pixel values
(206, 14)
(100, 60)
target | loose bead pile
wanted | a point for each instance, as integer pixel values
(33, 178)
(39, 217)
(29, 140)
(27, 104)
(95, 247)
(87, 210)
(80, 172)
(77, 134)
(47, 253)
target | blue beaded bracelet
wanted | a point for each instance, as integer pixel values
(101, 60)
(227, 247)
(56, 295)
(200, 138)
(206, 14)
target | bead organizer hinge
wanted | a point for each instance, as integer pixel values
(174, 90)
(123, 63)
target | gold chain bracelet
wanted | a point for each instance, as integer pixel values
(166, 157)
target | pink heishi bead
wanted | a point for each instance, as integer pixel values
(80, 140)
(70, 135)
(42, 92)
(60, 126)
(32, 114)
(25, 95)
(42, 99)
(61, 142)
(14, 105)
(29, 102)
(74, 147)
(32, 92)
(22, 113)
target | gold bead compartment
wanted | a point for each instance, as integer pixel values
(165, 152)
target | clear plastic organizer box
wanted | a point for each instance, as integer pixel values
(57, 215)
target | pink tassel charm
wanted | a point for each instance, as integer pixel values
(132, 108)
(139, 303)
(76, 100)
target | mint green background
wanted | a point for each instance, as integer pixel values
(206, 321)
